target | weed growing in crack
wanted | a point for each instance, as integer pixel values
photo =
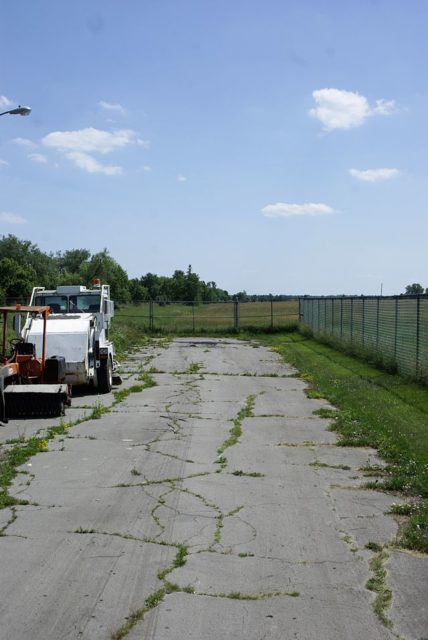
(148, 380)
(331, 414)
(219, 527)
(378, 585)
(324, 465)
(135, 472)
(374, 470)
(236, 430)
(194, 367)
(237, 595)
(98, 411)
(373, 546)
(248, 474)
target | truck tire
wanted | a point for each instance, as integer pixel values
(105, 376)
(3, 414)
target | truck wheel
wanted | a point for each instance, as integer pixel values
(105, 376)
(3, 414)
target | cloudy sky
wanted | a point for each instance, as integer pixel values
(278, 146)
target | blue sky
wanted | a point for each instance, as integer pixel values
(276, 146)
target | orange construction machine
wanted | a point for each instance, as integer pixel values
(30, 386)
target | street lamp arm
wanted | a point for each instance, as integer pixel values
(19, 111)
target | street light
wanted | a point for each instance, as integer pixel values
(19, 111)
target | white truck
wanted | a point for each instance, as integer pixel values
(78, 330)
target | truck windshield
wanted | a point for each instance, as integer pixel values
(85, 303)
(70, 304)
(58, 304)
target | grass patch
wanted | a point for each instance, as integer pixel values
(415, 532)
(248, 474)
(18, 455)
(194, 367)
(324, 465)
(375, 409)
(236, 430)
(378, 585)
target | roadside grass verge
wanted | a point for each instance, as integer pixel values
(375, 409)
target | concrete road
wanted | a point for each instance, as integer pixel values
(215, 505)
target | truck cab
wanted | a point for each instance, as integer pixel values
(77, 329)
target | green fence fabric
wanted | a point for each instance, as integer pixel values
(394, 329)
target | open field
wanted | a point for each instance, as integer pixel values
(178, 318)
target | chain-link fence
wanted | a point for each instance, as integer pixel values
(204, 317)
(393, 329)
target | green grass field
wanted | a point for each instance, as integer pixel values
(203, 318)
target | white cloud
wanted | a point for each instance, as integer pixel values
(89, 164)
(113, 106)
(286, 210)
(144, 143)
(147, 168)
(181, 178)
(384, 107)
(90, 140)
(11, 218)
(339, 109)
(3, 163)
(374, 175)
(78, 146)
(24, 142)
(5, 103)
(38, 157)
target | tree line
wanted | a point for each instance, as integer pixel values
(24, 266)
(415, 289)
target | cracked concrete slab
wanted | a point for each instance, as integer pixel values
(407, 578)
(332, 616)
(222, 482)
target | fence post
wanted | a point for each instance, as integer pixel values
(151, 323)
(352, 318)
(396, 329)
(193, 315)
(377, 322)
(236, 315)
(332, 316)
(418, 332)
(341, 317)
(319, 315)
(363, 322)
(271, 313)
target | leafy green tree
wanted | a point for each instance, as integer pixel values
(138, 291)
(178, 285)
(151, 282)
(242, 296)
(16, 280)
(193, 286)
(415, 289)
(25, 253)
(72, 261)
(103, 266)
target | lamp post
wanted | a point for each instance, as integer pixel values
(19, 111)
